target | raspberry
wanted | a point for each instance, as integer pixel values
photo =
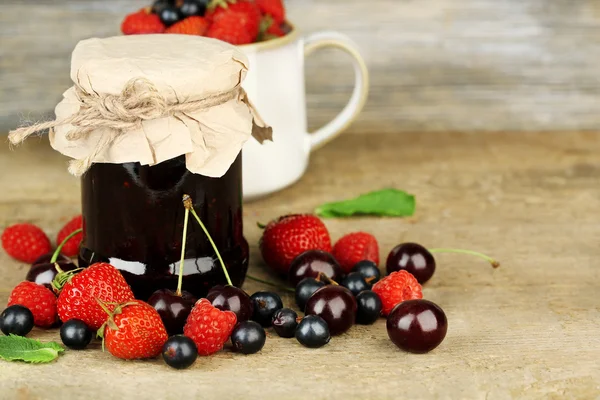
(71, 248)
(395, 288)
(38, 299)
(208, 327)
(356, 247)
(25, 242)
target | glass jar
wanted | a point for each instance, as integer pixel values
(133, 218)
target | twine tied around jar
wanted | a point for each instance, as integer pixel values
(139, 101)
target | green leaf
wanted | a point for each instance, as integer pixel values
(18, 348)
(386, 202)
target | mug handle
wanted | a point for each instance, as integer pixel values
(361, 85)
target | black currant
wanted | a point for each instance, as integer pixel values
(248, 337)
(369, 270)
(285, 322)
(16, 320)
(355, 283)
(75, 334)
(313, 332)
(180, 352)
(170, 15)
(193, 7)
(306, 288)
(369, 307)
(265, 305)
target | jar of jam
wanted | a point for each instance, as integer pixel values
(134, 220)
(152, 118)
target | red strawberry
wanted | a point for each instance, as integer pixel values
(190, 26)
(274, 8)
(275, 30)
(71, 248)
(289, 236)
(237, 23)
(209, 327)
(142, 22)
(25, 242)
(356, 247)
(39, 299)
(395, 288)
(79, 296)
(134, 331)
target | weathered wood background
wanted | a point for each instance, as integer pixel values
(437, 65)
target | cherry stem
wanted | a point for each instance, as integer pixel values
(183, 242)
(494, 263)
(187, 202)
(62, 244)
(322, 277)
(253, 278)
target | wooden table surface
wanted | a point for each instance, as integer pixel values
(529, 329)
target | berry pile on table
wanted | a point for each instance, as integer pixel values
(334, 286)
(237, 22)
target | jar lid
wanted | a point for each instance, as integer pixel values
(151, 98)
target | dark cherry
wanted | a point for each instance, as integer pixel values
(230, 298)
(306, 288)
(45, 259)
(355, 283)
(248, 337)
(75, 334)
(369, 307)
(313, 332)
(179, 352)
(44, 273)
(285, 322)
(312, 262)
(193, 7)
(413, 258)
(369, 270)
(417, 326)
(173, 309)
(336, 305)
(265, 304)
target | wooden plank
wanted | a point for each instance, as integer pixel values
(526, 330)
(437, 65)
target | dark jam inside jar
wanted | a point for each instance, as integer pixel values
(133, 219)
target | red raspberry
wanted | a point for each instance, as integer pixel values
(209, 327)
(142, 22)
(395, 288)
(39, 299)
(25, 242)
(356, 247)
(71, 248)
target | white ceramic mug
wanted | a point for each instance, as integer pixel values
(275, 84)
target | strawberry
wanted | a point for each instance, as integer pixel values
(355, 247)
(274, 30)
(71, 248)
(38, 299)
(134, 331)
(395, 288)
(209, 327)
(190, 26)
(80, 294)
(142, 22)
(25, 242)
(274, 8)
(289, 236)
(269, 29)
(233, 21)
